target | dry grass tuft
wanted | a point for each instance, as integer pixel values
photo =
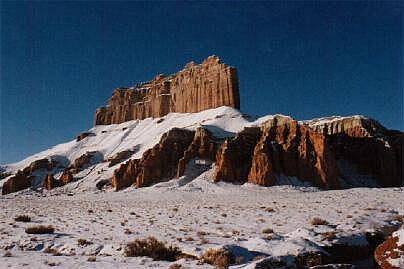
(83, 242)
(269, 209)
(217, 257)
(318, 221)
(267, 231)
(40, 229)
(152, 248)
(92, 259)
(23, 218)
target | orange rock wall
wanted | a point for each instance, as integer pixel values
(195, 88)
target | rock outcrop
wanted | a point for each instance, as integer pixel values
(157, 163)
(264, 154)
(65, 178)
(84, 161)
(119, 157)
(167, 159)
(18, 182)
(366, 145)
(203, 146)
(30, 176)
(83, 135)
(390, 254)
(233, 160)
(50, 182)
(281, 146)
(195, 88)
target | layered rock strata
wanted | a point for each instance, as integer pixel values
(366, 145)
(281, 146)
(195, 88)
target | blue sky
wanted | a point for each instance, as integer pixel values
(59, 61)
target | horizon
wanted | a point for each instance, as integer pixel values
(60, 61)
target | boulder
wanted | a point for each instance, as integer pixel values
(83, 135)
(65, 178)
(18, 182)
(390, 254)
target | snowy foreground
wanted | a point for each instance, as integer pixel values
(194, 216)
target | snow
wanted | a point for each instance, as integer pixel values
(326, 120)
(400, 235)
(231, 216)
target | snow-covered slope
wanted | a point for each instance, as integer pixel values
(141, 134)
(138, 136)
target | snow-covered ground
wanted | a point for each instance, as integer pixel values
(194, 216)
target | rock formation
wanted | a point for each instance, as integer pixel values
(65, 178)
(390, 254)
(50, 182)
(157, 163)
(203, 146)
(167, 159)
(119, 157)
(87, 159)
(280, 147)
(19, 181)
(234, 157)
(367, 146)
(28, 177)
(195, 88)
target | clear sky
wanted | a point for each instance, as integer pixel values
(59, 61)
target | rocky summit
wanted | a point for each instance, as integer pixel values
(195, 88)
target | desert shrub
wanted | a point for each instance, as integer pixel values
(267, 231)
(40, 229)
(83, 242)
(201, 233)
(23, 218)
(217, 257)
(152, 248)
(318, 221)
(175, 266)
(269, 209)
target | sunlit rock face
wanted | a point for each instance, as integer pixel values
(281, 146)
(195, 88)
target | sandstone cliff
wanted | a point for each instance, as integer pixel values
(167, 159)
(366, 145)
(195, 88)
(281, 146)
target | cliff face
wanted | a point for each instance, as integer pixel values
(195, 88)
(281, 146)
(369, 147)
(165, 160)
